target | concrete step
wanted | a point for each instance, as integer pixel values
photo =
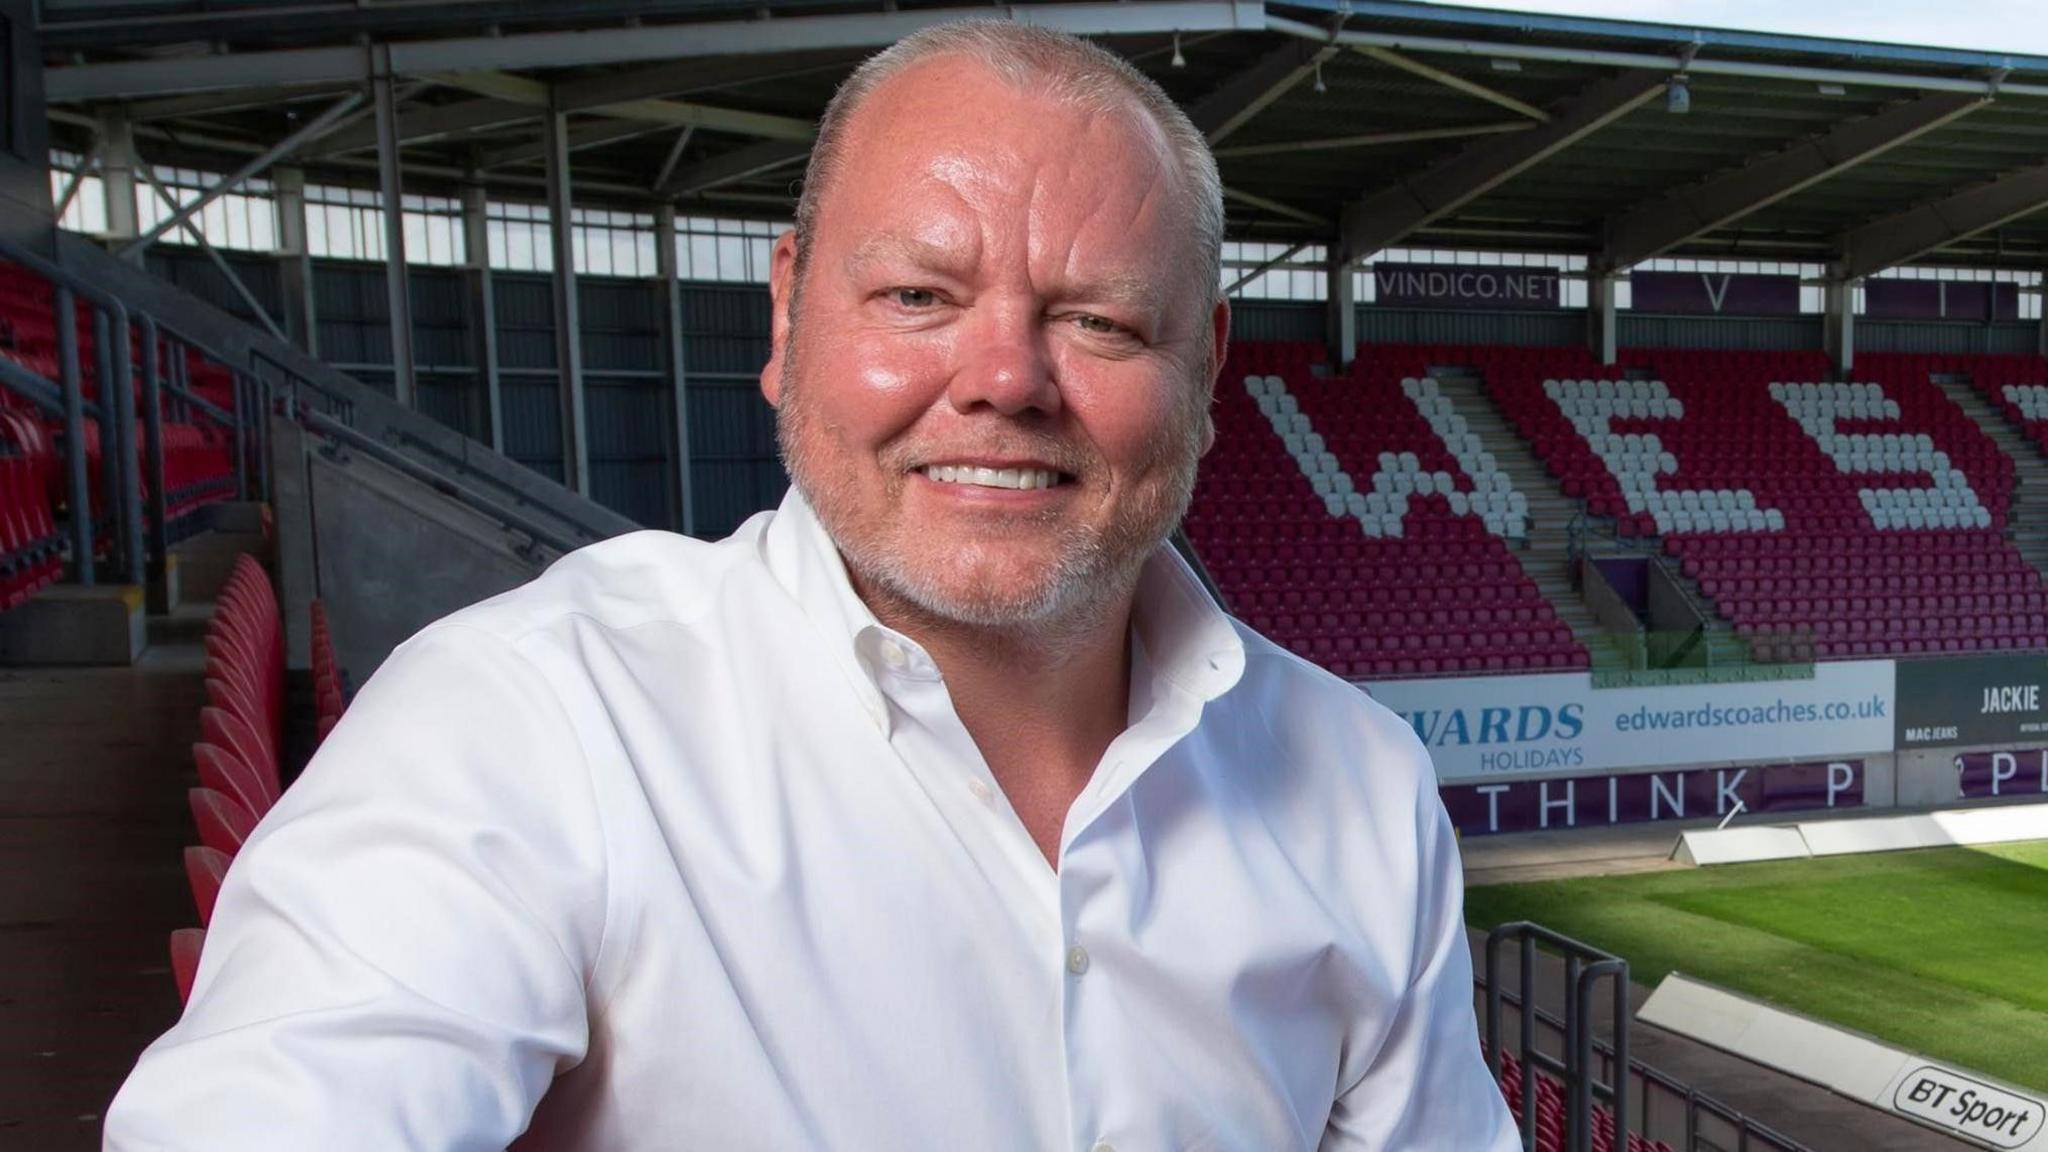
(184, 624)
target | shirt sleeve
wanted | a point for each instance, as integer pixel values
(399, 955)
(1429, 1087)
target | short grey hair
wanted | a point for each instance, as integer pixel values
(1065, 67)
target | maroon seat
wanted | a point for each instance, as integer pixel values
(224, 822)
(227, 773)
(205, 869)
(186, 944)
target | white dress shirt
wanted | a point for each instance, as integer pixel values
(678, 848)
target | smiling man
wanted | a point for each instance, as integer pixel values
(937, 808)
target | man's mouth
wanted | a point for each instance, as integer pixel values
(1021, 479)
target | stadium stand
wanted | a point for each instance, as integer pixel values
(1748, 467)
(198, 465)
(1358, 521)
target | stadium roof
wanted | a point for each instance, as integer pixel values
(1361, 124)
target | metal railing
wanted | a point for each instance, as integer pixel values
(331, 413)
(134, 491)
(1594, 1070)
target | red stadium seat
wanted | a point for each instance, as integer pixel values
(226, 772)
(186, 944)
(205, 869)
(225, 730)
(224, 822)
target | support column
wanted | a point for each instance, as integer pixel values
(390, 184)
(1603, 317)
(1840, 328)
(1340, 327)
(676, 433)
(117, 178)
(483, 313)
(568, 329)
(295, 264)
(2041, 327)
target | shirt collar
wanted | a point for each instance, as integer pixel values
(1188, 641)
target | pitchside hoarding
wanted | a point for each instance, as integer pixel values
(1887, 299)
(1484, 728)
(1465, 286)
(1972, 700)
(1515, 805)
(1713, 294)
(1985, 775)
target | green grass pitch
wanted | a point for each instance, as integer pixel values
(1943, 952)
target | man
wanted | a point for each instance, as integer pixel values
(937, 809)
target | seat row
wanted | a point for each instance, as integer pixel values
(242, 731)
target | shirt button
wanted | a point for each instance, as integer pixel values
(1103, 1146)
(892, 655)
(981, 790)
(1077, 963)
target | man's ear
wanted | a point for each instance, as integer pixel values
(1219, 349)
(781, 296)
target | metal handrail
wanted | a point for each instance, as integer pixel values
(139, 509)
(333, 429)
(343, 413)
(1696, 1102)
(1584, 965)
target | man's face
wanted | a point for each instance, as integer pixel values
(994, 389)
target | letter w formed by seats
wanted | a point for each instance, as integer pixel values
(1420, 421)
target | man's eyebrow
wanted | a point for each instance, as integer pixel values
(888, 246)
(1126, 288)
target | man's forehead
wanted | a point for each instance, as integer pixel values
(952, 104)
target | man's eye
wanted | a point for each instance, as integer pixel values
(1101, 325)
(913, 297)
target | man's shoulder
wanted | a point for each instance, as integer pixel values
(1286, 686)
(629, 580)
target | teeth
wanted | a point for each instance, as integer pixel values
(1015, 478)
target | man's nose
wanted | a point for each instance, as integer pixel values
(1005, 363)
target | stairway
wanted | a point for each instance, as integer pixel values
(2029, 515)
(1546, 556)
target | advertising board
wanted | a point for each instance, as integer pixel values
(1487, 727)
(1465, 286)
(1512, 805)
(1972, 700)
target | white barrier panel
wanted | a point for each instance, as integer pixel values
(1958, 1102)
(1492, 726)
(1929, 830)
(1706, 846)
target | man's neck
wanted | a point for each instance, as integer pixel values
(1042, 704)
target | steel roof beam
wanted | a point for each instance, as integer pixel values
(520, 90)
(1450, 80)
(1672, 61)
(1381, 218)
(1249, 92)
(136, 79)
(424, 125)
(1373, 139)
(1915, 232)
(578, 138)
(735, 166)
(1276, 207)
(1659, 225)
(239, 100)
(688, 77)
